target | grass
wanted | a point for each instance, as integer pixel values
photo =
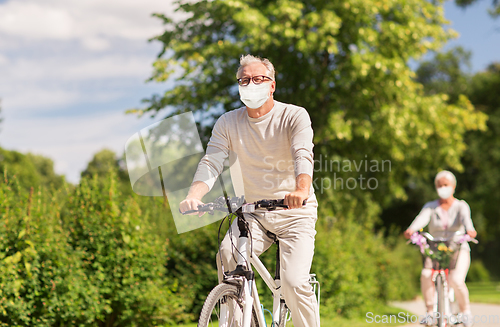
(353, 322)
(384, 314)
(484, 292)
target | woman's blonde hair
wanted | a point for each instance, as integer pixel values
(446, 174)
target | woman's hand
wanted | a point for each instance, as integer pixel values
(472, 233)
(408, 233)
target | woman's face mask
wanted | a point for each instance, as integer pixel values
(254, 96)
(445, 192)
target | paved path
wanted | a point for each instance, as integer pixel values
(486, 315)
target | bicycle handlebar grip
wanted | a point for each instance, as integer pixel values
(187, 212)
(283, 200)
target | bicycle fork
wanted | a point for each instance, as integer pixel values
(442, 306)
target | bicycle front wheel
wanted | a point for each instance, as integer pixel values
(440, 301)
(224, 308)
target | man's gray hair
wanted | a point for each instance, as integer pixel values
(248, 59)
(446, 174)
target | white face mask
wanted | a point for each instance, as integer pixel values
(445, 192)
(254, 96)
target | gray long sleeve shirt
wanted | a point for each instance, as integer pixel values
(459, 219)
(271, 150)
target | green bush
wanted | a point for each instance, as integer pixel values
(359, 270)
(90, 261)
(30, 170)
(91, 255)
(121, 256)
(191, 257)
(42, 282)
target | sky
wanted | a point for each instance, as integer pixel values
(69, 69)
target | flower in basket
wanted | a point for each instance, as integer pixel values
(443, 255)
(419, 240)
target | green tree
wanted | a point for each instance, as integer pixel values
(446, 73)
(477, 183)
(121, 255)
(494, 10)
(482, 158)
(86, 260)
(31, 170)
(101, 164)
(106, 162)
(346, 62)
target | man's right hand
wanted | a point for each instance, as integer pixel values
(191, 204)
(192, 201)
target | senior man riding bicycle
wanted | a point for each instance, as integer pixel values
(273, 144)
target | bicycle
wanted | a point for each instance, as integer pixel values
(441, 250)
(235, 301)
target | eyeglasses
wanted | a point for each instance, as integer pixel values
(259, 79)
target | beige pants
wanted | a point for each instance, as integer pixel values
(295, 230)
(456, 280)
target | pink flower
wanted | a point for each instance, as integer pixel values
(419, 240)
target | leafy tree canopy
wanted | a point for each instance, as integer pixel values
(494, 10)
(446, 73)
(105, 162)
(478, 183)
(31, 170)
(102, 162)
(346, 63)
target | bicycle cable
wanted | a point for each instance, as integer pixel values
(218, 242)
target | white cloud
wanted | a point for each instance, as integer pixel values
(96, 43)
(59, 56)
(49, 82)
(32, 20)
(112, 66)
(83, 20)
(3, 60)
(38, 97)
(75, 68)
(71, 142)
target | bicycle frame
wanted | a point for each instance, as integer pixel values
(250, 293)
(273, 285)
(443, 273)
(440, 275)
(239, 286)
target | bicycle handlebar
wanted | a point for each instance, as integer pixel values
(220, 204)
(446, 239)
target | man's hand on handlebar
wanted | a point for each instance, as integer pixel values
(190, 204)
(296, 199)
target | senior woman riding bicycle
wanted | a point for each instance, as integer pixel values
(444, 215)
